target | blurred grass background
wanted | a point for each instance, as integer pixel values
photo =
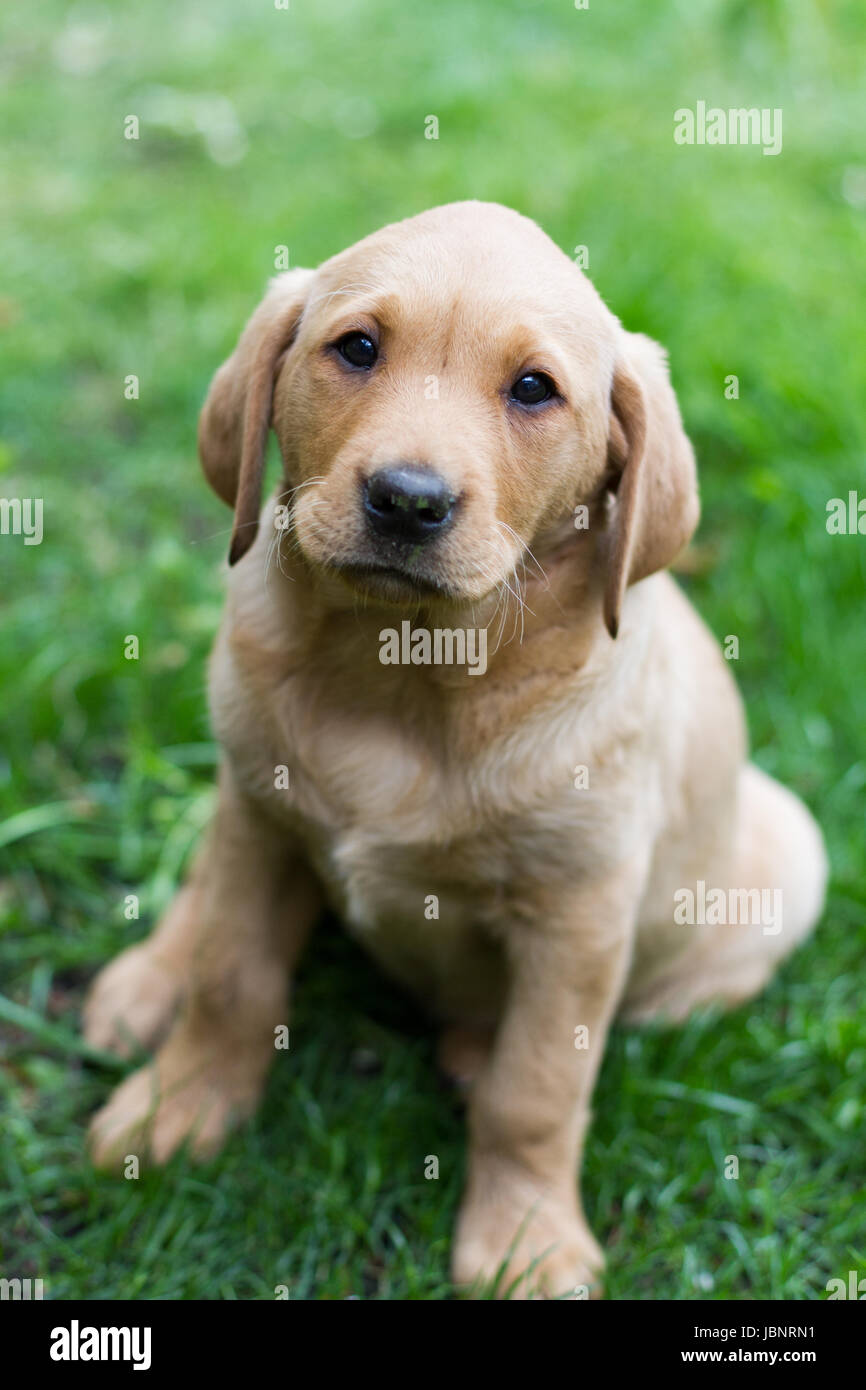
(306, 128)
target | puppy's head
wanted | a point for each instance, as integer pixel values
(445, 394)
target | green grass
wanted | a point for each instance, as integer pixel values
(145, 257)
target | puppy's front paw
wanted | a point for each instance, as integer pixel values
(176, 1099)
(131, 1003)
(523, 1244)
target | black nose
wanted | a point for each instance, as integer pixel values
(408, 503)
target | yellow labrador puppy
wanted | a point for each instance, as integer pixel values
(459, 701)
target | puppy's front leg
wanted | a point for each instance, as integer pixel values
(528, 1112)
(256, 900)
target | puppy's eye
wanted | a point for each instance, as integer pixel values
(533, 389)
(358, 350)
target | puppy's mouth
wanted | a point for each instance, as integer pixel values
(392, 583)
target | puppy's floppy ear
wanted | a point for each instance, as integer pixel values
(653, 467)
(234, 422)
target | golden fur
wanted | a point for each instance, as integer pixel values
(555, 900)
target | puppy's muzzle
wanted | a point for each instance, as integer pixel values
(409, 503)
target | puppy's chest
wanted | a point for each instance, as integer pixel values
(412, 864)
(424, 840)
(399, 824)
(396, 836)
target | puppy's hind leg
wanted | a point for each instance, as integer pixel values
(255, 901)
(778, 854)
